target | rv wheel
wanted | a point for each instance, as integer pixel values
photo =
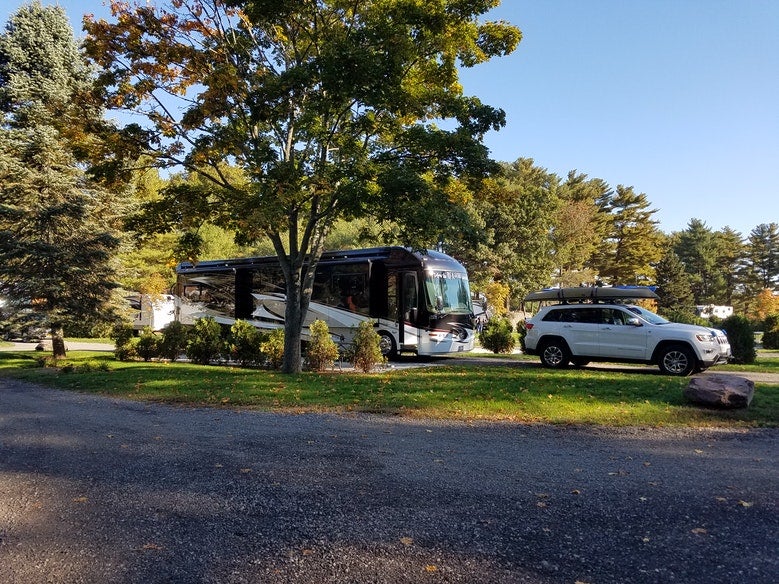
(387, 345)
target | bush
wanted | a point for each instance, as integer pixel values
(771, 332)
(148, 346)
(322, 350)
(125, 342)
(174, 340)
(365, 352)
(205, 343)
(522, 333)
(741, 338)
(498, 335)
(245, 343)
(272, 348)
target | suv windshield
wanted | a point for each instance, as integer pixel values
(448, 292)
(647, 315)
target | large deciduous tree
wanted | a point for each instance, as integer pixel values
(517, 212)
(56, 231)
(328, 107)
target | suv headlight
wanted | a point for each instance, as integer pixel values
(705, 338)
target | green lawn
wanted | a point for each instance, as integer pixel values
(483, 391)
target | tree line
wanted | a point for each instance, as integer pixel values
(290, 128)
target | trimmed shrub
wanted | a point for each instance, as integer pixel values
(322, 350)
(148, 346)
(741, 338)
(125, 343)
(365, 352)
(205, 343)
(245, 343)
(522, 333)
(498, 335)
(273, 348)
(771, 332)
(174, 340)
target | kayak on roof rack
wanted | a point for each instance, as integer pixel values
(591, 293)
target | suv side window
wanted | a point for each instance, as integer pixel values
(553, 316)
(581, 314)
(613, 316)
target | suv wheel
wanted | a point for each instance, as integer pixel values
(676, 360)
(555, 354)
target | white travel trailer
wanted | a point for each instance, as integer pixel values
(152, 310)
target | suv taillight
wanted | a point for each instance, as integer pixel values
(528, 325)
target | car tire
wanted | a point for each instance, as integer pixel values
(387, 345)
(555, 354)
(677, 360)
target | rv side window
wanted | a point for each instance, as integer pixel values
(350, 284)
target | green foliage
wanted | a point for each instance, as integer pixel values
(498, 335)
(148, 346)
(175, 337)
(771, 332)
(273, 348)
(684, 316)
(521, 333)
(632, 244)
(58, 225)
(338, 127)
(245, 343)
(322, 351)
(742, 339)
(673, 285)
(205, 342)
(365, 352)
(125, 342)
(515, 214)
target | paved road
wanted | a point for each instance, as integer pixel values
(100, 490)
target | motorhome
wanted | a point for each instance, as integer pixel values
(419, 301)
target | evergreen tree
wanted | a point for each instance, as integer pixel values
(673, 284)
(56, 239)
(579, 228)
(730, 263)
(698, 248)
(633, 242)
(763, 256)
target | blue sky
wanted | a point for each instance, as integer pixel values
(677, 98)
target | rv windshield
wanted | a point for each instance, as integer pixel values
(448, 292)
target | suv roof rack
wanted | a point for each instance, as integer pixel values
(592, 294)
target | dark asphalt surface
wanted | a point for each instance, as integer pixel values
(99, 490)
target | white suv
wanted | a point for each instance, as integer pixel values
(582, 332)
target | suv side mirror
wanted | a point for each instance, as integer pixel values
(633, 321)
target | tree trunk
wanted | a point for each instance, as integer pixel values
(293, 327)
(57, 342)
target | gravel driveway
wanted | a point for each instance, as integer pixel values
(100, 490)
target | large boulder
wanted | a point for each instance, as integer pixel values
(713, 389)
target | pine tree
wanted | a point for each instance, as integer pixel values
(632, 245)
(673, 284)
(698, 248)
(763, 255)
(56, 237)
